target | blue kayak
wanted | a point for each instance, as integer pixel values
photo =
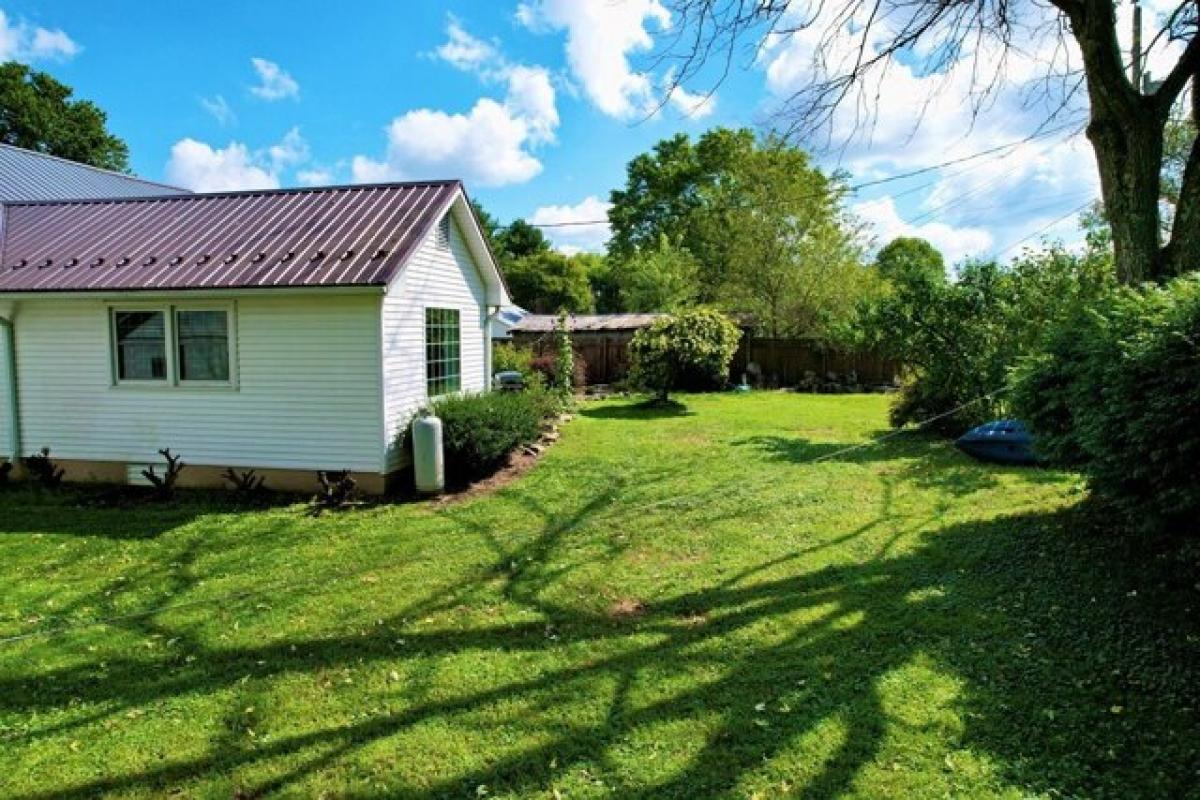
(1005, 441)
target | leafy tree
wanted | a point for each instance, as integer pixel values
(520, 239)
(764, 227)
(687, 351)
(664, 197)
(546, 282)
(1128, 117)
(37, 113)
(489, 224)
(605, 282)
(908, 258)
(661, 278)
(791, 256)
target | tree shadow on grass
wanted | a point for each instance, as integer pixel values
(645, 410)
(119, 512)
(925, 460)
(1074, 671)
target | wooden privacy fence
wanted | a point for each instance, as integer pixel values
(780, 362)
(796, 362)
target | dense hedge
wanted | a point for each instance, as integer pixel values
(959, 340)
(1116, 391)
(480, 430)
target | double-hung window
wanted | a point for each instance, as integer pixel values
(141, 338)
(173, 346)
(443, 352)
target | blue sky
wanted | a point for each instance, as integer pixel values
(537, 104)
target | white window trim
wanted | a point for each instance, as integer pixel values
(169, 311)
(425, 349)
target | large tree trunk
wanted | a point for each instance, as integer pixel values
(1126, 130)
(1129, 156)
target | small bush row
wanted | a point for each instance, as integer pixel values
(480, 430)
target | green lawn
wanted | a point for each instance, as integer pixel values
(669, 605)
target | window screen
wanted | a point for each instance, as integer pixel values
(141, 345)
(442, 351)
(203, 345)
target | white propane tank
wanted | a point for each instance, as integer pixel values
(427, 454)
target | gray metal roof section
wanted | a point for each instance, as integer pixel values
(28, 175)
(543, 323)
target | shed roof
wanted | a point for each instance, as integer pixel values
(542, 323)
(30, 175)
(328, 236)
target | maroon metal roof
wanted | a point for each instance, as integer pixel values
(335, 236)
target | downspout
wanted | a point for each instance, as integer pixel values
(10, 380)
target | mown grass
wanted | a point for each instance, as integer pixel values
(672, 604)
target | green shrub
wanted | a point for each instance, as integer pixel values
(480, 430)
(689, 351)
(1116, 391)
(508, 357)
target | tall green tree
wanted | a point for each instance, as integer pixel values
(547, 282)
(665, 196)
(907, 258)
(520, 239)
(38, 113)
(791, 257)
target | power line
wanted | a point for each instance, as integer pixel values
(1044, 228)
(866, 184)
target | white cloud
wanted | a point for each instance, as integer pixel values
(531, 97)
(274, 82)
(601, 37)
(907, 118)
(487, 145)
(314, 177)
(219, 108)
(576, 238)
(464, 51)
(25, 42)
(291, 150)
(955, 243)
(201, 167)
(491, 144)
(197, 166)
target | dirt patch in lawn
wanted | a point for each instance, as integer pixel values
(627, 608)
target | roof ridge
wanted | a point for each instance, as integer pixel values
(234, 193)
(80, 164)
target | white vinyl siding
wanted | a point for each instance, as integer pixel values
(441, 274)
(307, 393)
(5, 399)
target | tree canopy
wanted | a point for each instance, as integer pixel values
(548, 281)
(37, 113)
(906, 258)
(745, 224)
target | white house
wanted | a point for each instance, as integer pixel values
(287, 331)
